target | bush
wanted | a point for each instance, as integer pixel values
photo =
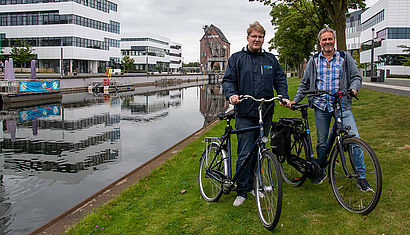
(398, 76)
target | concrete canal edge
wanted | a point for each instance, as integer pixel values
(59, 224)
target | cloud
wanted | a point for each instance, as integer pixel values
(182, 20)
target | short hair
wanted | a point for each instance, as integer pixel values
(256, 26)
(327, 29)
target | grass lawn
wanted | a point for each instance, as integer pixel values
(155, 205)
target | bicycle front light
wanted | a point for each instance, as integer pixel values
(265, 139)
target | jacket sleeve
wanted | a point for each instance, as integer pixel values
(355, 77)
(230, 79)
(305, 83)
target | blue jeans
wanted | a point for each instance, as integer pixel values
(323, 119)
(245, 142)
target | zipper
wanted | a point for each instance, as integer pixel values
(261, 69)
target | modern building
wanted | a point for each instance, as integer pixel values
(214, 50)
(83, 34)
(152, 53)
(387, 23)
(353, 31)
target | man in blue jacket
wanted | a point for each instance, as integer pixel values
(251, 71)
(331, 70)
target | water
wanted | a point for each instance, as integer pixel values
(56, 155)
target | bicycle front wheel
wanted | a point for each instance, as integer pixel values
(213, 161)
(361, 162)
(268, 190)
(299, 149)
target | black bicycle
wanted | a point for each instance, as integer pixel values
(292, 145)
(215, 173)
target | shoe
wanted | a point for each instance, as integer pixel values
(364, 185)
(238, 201)
(261, 195)
(321, 178)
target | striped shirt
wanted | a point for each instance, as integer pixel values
(328, 79)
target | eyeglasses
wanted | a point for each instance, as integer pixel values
(256, 36)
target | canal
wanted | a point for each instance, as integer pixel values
(53, 156)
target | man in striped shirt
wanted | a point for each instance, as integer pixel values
(331, 70)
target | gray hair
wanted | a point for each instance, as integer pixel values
(327, 29)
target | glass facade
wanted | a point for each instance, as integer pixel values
(379, 17)
(62, 41)
(387, 33)
(101, 5)
(144, 40)
(52, 17)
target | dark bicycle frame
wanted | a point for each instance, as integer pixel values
(225, 143)
(338, 132)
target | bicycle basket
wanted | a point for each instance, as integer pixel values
(280, 141)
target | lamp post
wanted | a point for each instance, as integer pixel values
(372, 77)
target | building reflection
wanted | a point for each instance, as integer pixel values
(212, 101)
(59, 139)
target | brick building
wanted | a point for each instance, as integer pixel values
(215, 49)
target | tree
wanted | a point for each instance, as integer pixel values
(192, 64)
(295, 36)
(337, 10)
(406, 59)
(126, 63)
(22, 54)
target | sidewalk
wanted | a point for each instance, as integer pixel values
(390, 85)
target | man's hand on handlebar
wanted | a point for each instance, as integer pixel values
(234, 99)
(284, 102)
(290, 103)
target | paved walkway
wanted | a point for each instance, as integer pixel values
(390, 85)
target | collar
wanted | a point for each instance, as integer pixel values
(246, 49)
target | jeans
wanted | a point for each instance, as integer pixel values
(245, 142)
(323, 119)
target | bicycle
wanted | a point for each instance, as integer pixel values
(215, 173)
(296, 159)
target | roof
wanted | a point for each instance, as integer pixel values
(220, 34)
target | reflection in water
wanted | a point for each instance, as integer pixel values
(212, 102)
(64, 152)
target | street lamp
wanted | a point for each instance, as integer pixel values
(372, 77)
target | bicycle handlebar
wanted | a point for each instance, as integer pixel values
(262, 100)
(340, 93)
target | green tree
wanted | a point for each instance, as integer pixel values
(337, 10)
(192, 64)
(22, 54)
(295, 36)
(126, 63)
(356, 56)
(406, 58)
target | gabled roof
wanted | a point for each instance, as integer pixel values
(219, 32)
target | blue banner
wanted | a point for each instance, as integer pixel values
(35, 86)
(39, 112)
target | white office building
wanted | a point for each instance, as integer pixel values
(388, 23)
(152, 53)
(353, 31)
(85, 34)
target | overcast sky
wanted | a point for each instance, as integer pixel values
(182, 20)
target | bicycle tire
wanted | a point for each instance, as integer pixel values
(299, 148)
(346, 189)
(211, 190)
(268, 190)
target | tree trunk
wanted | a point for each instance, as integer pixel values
(340, 27)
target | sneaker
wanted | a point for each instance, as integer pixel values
(364, 185)
(321, 178)
(238, 201)
(261, 195)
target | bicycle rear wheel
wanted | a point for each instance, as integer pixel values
(211, 160)
(346, 190)
(268, 190)
(299, 149)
